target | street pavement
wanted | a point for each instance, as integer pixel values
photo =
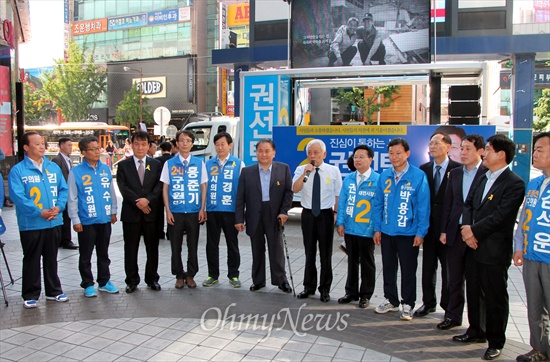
(221, 323)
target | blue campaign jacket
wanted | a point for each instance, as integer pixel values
(402, 208)
(95, 201)
(355, 205)
(536, 226)
(33, 191)
(222, 184)
(184, 191)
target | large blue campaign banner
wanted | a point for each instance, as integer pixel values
(267, 100)
(291, 142)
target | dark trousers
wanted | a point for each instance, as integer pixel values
(399, 252)
(379, 55)
(66, 236)
(160, 222)
(98, 236)
(218, 221)
(493, 302)
(434, 252)
(318, 231)
(360, 252)
(476, 301)
(35, 244)
(268, 228)
(132, 232)
(456, 260)
(188, 223)
(347, 56)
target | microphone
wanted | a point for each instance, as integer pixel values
(308, 172)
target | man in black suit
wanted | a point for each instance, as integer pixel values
(458, 188)
(63, 160)
(488, 225)
(138, 178)
(437, 172)
(265, 192)
(165, 148)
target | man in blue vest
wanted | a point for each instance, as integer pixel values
(184, 194)
(532, 250)
(401, 217)
(354, 223)
(223, 180)
(40, 193)
(92, 207)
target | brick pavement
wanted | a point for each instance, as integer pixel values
(210, 323)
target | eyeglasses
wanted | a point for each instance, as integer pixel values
(435, 144)
(93, 149)
(185, 141)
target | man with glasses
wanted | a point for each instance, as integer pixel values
(92, 208)
(437, 172)
(184, 179)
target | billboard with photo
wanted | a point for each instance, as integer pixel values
(328, 33)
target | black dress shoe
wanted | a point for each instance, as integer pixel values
(465, 338)
(304, 294)
(285, 287)
(70, 245)
(130, 288)
(448, 323)
(255, 287)
(423, 311)
(347, 299)
(325, 297)
(491, 353)
(363, 303)
(155, 286)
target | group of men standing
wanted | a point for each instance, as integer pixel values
(462, 213)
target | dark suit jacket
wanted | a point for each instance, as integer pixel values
(454, 202)
(60, 161)
(249, 194)
(493, 218)
(163, 158)
(436, 200)
(131, 189)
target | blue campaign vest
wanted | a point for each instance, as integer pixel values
(403, 208)
(33, 191)
(94, 193)
(222, 184)
(536, 225)
(184, 193)
(355, 205)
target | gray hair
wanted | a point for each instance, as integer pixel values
(317, 142)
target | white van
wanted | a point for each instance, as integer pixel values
(205, 131)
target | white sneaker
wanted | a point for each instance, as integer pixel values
(386, 307)
(406, 313)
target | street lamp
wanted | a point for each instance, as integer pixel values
(140, 71)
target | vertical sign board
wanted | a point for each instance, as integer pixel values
(341, 140)
(5, 111)
(266, 103)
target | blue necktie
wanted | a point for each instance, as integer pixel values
(437, 178)
(316, 196)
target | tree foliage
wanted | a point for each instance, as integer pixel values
(542, 111)
(37, 108)
(76, 84)
(369, 105)
(128, 108)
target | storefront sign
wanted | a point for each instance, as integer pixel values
(89, 26)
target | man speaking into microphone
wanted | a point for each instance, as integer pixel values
(319, 185)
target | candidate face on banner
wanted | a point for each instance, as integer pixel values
(329, 33)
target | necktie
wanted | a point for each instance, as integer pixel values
(185, 163)
(141, 171)
(316, 196)
(361, 179)
(437, 178)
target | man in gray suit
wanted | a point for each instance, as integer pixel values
(265, 191)
(63, 160)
